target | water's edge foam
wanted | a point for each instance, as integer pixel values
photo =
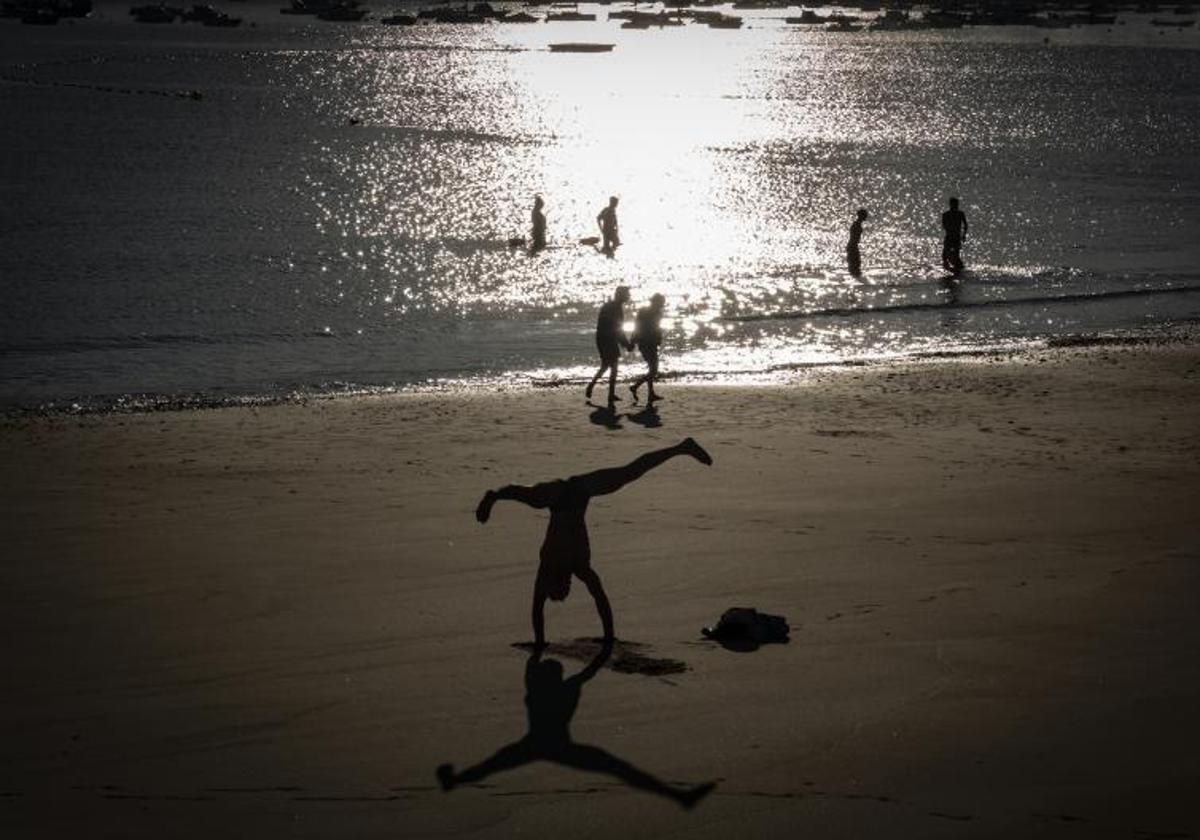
(1185, 333)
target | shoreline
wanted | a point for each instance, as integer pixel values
(1165, 335)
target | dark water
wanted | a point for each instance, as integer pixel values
(309, 206)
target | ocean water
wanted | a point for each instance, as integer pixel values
(298, 206)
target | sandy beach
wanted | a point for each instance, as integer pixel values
(278, 622)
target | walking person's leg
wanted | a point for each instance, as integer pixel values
(592, 385)
(651, 376)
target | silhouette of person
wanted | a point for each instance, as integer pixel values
(565, 549)
(550, 703)
(610, 338)
(537, 234)
(607, 220)
(853, 256)
(954, 223)
(647, 335)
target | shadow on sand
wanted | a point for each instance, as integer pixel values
(647, 417)
(610, 418)
(604, 415)
(550, 703)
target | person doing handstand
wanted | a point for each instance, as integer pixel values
(565, 549)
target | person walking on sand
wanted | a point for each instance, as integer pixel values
(610, 338)
(537, 233)
(565, 549)
(607, 220)
(954, 223)
(853, 256)
(647, 335)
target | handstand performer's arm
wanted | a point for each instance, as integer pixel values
(602, 482)
(538, 496)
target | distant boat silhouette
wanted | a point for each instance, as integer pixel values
(581, 47)
(725, 22)
(399, 19)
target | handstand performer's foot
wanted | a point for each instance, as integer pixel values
(445, 775)
(485, 506)
(696, 451)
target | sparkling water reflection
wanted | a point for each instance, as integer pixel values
(342, 198)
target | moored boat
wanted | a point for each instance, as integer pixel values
(579, 47)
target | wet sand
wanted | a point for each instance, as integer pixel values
(279, 621)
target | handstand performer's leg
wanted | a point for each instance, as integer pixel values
(592, 580)
(611, 480)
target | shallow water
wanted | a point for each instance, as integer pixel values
(333, 210)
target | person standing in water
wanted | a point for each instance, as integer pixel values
(853, 256)
(647, 335)
(607, 220)
(954, 223)
(566, 551)
(537, 233)
(610, 338)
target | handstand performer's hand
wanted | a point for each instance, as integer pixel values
(485, 506)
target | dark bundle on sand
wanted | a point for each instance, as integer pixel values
(745, 628)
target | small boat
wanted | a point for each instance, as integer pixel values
(844, 26)
(725, 22)
(942, 19)
(569, 16)
(399, 19)
(1053, 21)
(317, 7)
(154, 14)
(342, 14)
(200, 13)
(39, 16)
(223, 21)
(807, 18)
(644, 20)
(519, 17)
(576, 47)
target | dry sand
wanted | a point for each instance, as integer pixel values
(278, 622)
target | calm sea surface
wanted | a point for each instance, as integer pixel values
(332, 208)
